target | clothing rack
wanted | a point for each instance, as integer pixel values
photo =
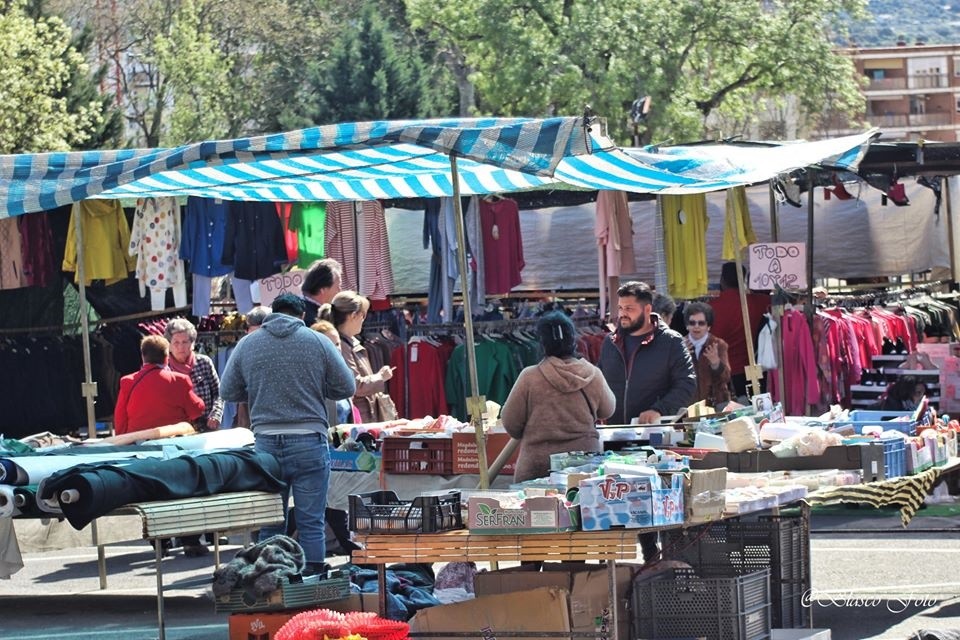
(876, 297)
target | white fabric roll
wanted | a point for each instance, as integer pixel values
(7, 507)
(221, 439)
(741, 435)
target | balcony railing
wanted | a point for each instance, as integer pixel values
(911, 120)
(916, 81)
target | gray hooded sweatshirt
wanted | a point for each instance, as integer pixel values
(553, 408)
(285, 371)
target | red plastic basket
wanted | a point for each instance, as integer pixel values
(417, 455)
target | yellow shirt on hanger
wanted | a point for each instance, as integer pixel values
(685, 224)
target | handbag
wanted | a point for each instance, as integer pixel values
(384, 407)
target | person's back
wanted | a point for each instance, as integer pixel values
(286, 371)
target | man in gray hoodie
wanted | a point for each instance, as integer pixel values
(285, 372)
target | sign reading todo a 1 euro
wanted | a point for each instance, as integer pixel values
(287, 282)
(778, 263)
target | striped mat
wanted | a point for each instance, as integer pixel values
(907, 492)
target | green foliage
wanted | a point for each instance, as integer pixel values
(197, 73)
(371, 72)
(695, 58)
(37, 62)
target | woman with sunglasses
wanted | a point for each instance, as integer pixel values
(709, 354)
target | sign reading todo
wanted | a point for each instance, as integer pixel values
(288, 282)
(778, 263)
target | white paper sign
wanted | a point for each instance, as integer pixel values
(778, 263)
(289, 282)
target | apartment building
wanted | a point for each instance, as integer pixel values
(912, 91)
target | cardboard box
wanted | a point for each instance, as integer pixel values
(616, 501)
(546, 514)
(257, 626)
(703, 497)
(354, 460)
(534, 611)
(465, 452)
(264, 625)
(588, 584)
(919, 458)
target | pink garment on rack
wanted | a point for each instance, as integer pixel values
(613, 229)
(799, 366)
(37, 249)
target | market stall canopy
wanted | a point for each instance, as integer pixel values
(403, 159)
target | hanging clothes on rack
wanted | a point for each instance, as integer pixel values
(684, 231)
(309, 221)
(155, 242)
(376, 271)
(613, 230)
(341, 241)
(253, 240)
(290, 238)
(477, 262)
(502, 244)
(37, 249)
(11, 254)
(799, 366)
(439, 235)
(106, 240)
(738, 228)
(201, 245)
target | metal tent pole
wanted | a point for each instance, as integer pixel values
(774, 217)
(475, 403)
(88, 388)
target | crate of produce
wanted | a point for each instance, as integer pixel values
(417, 455)
(384, 512)
(735, 547)
(680, 604)
(310, 593)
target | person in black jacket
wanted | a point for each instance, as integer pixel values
(645, 363)
(648, 368)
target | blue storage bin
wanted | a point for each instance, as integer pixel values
(885, 419)
(894, 462)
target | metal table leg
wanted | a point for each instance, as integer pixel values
(614, 602)
(158, 550)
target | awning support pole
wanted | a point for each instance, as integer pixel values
(476, 403)
(88, 388)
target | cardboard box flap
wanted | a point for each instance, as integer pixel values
(536, 611)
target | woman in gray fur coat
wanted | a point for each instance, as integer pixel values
(554, 406)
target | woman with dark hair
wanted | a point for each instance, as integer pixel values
(709, 355)
(904, 395)
(554, 406)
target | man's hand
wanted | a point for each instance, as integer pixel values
(213, 424)
(649, 417)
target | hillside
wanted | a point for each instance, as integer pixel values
(914, 20)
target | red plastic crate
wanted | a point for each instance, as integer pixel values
(417, 455)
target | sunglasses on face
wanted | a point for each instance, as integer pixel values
(696, 323)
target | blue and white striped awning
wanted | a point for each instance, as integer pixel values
(377, 160)
(279, 166)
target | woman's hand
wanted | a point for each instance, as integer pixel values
(712, 351)
(385, 373)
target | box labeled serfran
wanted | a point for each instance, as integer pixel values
(465, 452)
(502, 513)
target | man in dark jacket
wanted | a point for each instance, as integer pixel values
(644, 362)
(648, 368)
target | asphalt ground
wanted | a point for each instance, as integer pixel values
(871, 579)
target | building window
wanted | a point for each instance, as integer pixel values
(956, 67)
(958, 104)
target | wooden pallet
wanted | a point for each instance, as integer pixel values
(462, 545)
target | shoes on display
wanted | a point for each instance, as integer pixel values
(195, 550)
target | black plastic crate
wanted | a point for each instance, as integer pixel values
(680, 604)
(736, 547)
(384, 512)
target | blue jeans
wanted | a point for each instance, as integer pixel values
(305, 464)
